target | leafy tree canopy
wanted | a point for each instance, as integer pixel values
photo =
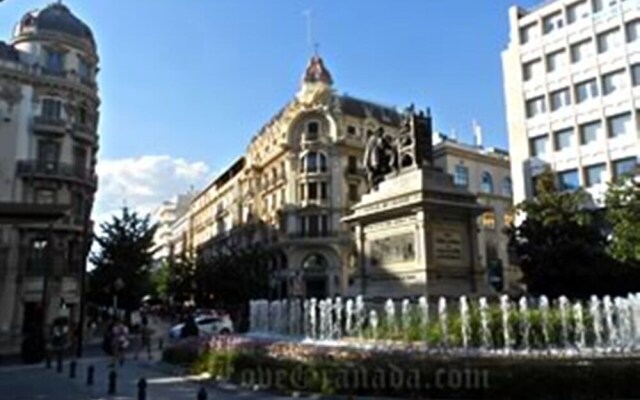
(124, 255)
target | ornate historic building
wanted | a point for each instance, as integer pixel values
(48, 143)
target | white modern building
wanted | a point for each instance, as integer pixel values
(165, 216)
(572, 80)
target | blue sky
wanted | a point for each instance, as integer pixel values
(193, 80)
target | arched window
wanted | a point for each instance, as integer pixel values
(507, 187)
(486, 186)
(313, 162)
(312, 129)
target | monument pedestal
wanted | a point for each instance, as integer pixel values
(416, 236)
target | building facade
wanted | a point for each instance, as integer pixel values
(572, 81)
(300, 175)
(165, 217)
(487, 174)
(48, 143)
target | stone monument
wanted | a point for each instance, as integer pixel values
(415, 230)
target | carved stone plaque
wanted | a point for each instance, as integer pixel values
(393, 250)
(449, 247)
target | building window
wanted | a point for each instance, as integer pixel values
(351, 130)
(613, 81)
(78, 207)
(569, 180)
(538, 146)
(535, 107)
(352, 165)
(37, 256)
(84, 71)
(578, 11)
(635, 74)
(55, 61)
(507, 187)
(581, 51)
(619, 125)
(632, 30)
(531, 69)
(528, 33)
(45, 196)
(608, 40)
(354, 194)
(594, 175)
(552, 22)
(313, 162)
(48, 153)
(555, 60)
(461, 176)
(486, 185)
(80, 161)
(312, 130)
(589, 132)
(562, 139)
(586, 90)
(489, 220)
(624, 167)
(560, 98)
(51, 109)
(323, 190)
(314, 225)
(302, 191)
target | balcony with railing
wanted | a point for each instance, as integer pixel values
(49, 170)
(49, 124)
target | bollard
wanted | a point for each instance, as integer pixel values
(202, 394)
(160, 344)
(59, 362)
(112, 382)
(48, 360)
(90, 372)
(142, 389)
(72, 369)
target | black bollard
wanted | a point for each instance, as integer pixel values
(59, 362)
(48, 360)
(90, 372)
(72, 369)
(202, 394)
(112, 381)
(160, 344)
(142, 389)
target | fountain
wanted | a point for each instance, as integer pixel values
(337, 321)
(579, 336)
(564, 324)
(596, 317)
(405, 316)
(525, 324)
(313, 323)
(544, 319)
(485, 335)
(348, 319)
(360, 315)
(612, 332)
(373, 323)
(423, 305)
(465, 328)
(505, 308)
(444, 324)
(390, 314)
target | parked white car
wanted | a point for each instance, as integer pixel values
(207, 325)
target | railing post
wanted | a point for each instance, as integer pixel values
(59, 361)
(90, 372)
(113, 377)
(72, 369)
(142, 389)
(202, 394)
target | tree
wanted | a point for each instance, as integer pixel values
(124, 255)
(175, 279)
(561, 244)
(623, 214)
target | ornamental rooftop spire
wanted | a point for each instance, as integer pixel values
(316, 72)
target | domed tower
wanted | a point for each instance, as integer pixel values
(49, 117)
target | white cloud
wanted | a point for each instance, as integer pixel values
(142, 183)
